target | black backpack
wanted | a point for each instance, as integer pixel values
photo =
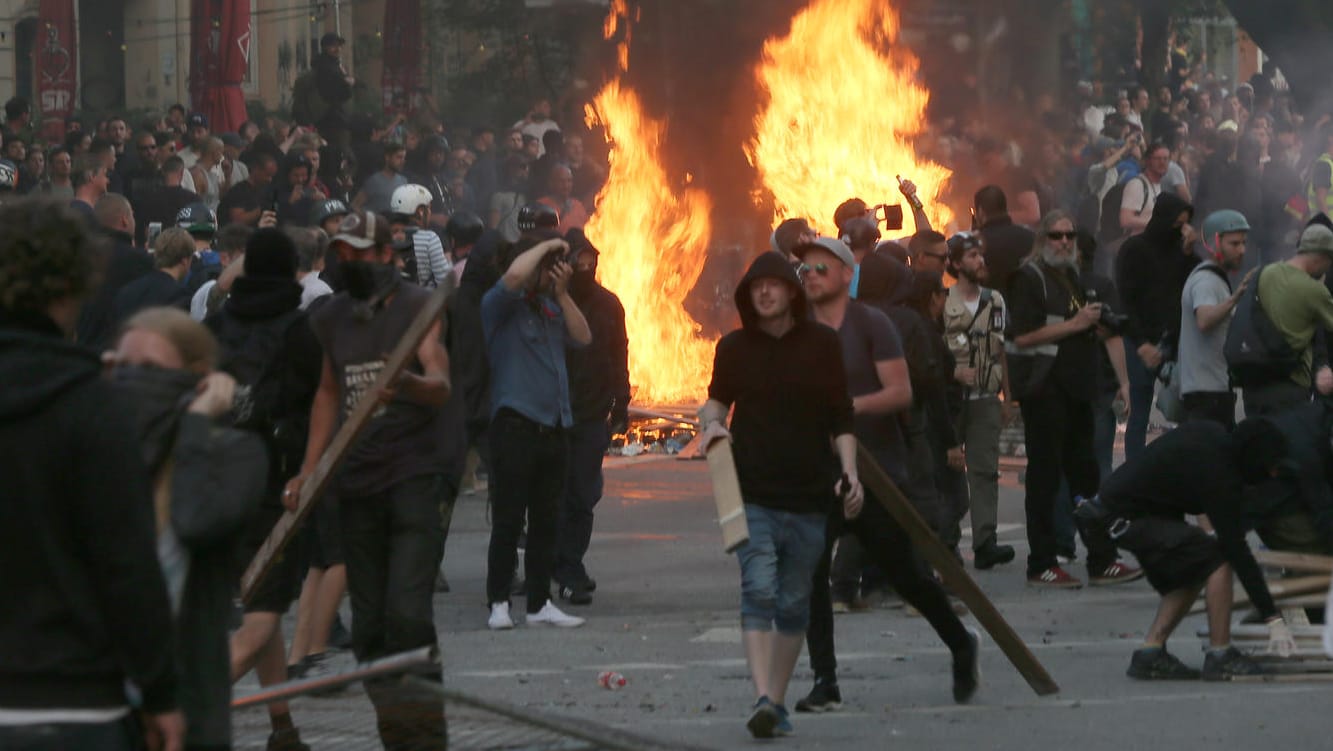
(1109, 228)
(255, 355)
(1256, 351)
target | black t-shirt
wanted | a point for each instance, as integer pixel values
(868, 337)
(791, 398)
(1040, 296)
(159, 204)
(404, 439)
(245, 196)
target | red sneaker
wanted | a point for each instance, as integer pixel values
(1116, 573)
(1054, 578)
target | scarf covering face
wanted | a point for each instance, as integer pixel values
(157, 398)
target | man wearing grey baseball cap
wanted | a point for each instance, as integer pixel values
(1298, 304)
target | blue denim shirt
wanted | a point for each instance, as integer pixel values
(525, 345)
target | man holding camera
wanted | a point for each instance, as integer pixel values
(1053, 337)
(529, 320)
(974, 320)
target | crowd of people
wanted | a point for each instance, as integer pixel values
(241, 290)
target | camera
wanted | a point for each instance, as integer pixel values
(890, 215)
(1110, 320)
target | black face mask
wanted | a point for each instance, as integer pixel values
(157, 397)
(364, 279)
(582, 283)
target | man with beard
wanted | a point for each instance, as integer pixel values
(391, 482)
(974, 321)
(878, 384)
(89, 611)
(269, 349)
(1053, 366)
(208, 480)
(1151, 269)
(599, 402)
(1206, 304)
(530, 321)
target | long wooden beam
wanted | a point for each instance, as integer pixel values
(878, 483)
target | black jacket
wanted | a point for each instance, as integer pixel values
(599, 372)
(467, 342)
(331, 83)
(1007, 244)
(155, 289)
(126, 263)
(1151, 269)
(84, 600)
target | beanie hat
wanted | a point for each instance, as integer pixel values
(270, 252)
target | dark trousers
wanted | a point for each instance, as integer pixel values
(588, 442)
(118, 735)
(1140, 400)
(888, 546)
(1218, 406)
(527, 477)
(1103, 443)
(1261, 401)
(1059, 433)
(393, 544)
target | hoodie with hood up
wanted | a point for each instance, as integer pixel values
(85, 602)
(790, 395)
(1150, 274)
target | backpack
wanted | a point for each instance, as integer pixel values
(1256, 351)
(307, 105)
(1109, 227)
(254, 354)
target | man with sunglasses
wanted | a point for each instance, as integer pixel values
(1053, 335)
(879, 385)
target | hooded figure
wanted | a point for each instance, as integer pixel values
(773, 265)
(1151, 270)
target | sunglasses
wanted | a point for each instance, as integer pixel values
(820, 268)
(1062, 235)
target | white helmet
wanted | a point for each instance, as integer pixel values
(408, 198)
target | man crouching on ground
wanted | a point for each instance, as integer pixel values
(784, 374)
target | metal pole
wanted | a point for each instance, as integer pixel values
(337, 18)
(405, 662)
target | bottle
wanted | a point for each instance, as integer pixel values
(913, 199)
(611, 680)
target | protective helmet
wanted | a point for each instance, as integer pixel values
(1222, 222)
(327, 209)
(861, 232)
(961, 243)
(464, 228)
(537, 216)
(197, 219)
(9, 175)
(408, 198)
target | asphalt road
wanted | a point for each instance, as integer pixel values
(666, 616)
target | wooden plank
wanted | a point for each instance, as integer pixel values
(1302, 562)
(727, 495)
(319, 479)
(956, 579)
(1281, 589)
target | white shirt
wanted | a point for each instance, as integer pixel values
(537, 130)
(199, 303)
(313, 288)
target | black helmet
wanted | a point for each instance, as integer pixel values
(9, 175)
(464, 228)
(537, 215)
(197, 219)
(861, 232)
(326, 209)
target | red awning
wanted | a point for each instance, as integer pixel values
(220, 47)
(401, 82)
(57, 66)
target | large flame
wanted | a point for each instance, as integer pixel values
(654, 239)
(843, 106)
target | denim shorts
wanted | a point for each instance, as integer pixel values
(777, 568)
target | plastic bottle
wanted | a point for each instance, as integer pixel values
(611, 680)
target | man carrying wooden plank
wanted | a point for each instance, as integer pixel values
(784, 374)
(391, 482)
(1198, 469)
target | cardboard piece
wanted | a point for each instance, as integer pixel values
(727, 495)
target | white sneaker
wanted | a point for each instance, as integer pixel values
(553, 616)
(500, 620)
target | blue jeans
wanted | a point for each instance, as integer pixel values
(1140, 400)
(777, 569)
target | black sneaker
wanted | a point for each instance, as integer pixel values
(824, 697)
(967, 669)
(576, 595)
(296, 670)
(286, 740)
(1159, 665)
(991, 556)
(1228, 664)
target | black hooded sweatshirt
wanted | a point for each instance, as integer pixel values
(1150, 274)
(85, 603)
(790, 395)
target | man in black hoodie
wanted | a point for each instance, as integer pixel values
(1151, 270)
(86, 605)
(270, 349)
(784, 374)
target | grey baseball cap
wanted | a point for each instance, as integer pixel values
(830, 244)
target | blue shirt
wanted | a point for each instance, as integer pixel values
(525, 344)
